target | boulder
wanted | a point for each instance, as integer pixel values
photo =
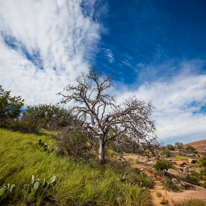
(151, 162)
(176, 173)
(142, 160)
(187, 186)
(192, 161)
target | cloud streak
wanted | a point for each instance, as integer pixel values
(179, 102)
(44, 45)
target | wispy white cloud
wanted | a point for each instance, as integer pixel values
(44, 45)
(178, 103)
(109, 55)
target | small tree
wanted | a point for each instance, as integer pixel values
(46, 116)
(162, 165)
(10, 107)
(170, 147)
(102, 116)
(178, 145)
(190, 149)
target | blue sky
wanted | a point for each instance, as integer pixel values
(157, 48)
(152, 33)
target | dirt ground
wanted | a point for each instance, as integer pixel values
(160, 195)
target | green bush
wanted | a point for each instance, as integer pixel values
(192, 180)
(202, 161)
(10, 107)
(162, 165)
(166, 153)
(170, 147)
(178, 145)
(190, 149)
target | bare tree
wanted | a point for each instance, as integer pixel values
(102, 116)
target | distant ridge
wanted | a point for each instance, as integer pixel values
(199, 145)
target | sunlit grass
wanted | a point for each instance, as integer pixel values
(76, 182)
(182, 157)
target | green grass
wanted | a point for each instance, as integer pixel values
(182, 157)
(133, 161)
(77, 183)
(191, 203)
(111, 152)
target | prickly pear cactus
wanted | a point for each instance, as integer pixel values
(7, 188)
(12, 188)
(32, 179)
(52, 180)
(44, 184)
(2, 191)
(36, 185)
(26, 187)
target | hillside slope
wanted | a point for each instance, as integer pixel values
(76, 182)
(199, 145)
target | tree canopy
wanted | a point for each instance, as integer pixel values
(103, 117)
(10, 107)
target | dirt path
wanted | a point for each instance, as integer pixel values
(159, 194)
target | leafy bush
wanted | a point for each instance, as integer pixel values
(166, 153)
(190, 149)
(76, 143)
(46, 116)
(202, 161)
(192, 180)
(178, 145)
(10, 107)
(170, 147)
(162, 165)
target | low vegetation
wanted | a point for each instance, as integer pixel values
(76, 182)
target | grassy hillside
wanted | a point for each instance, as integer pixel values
(76, 183)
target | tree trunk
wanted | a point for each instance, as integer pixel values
(101, 152)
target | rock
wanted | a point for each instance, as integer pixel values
(142, 160)
(193, 161)
(190, 155)
(176, 173)
(151, 162)
(188, 186)
(180, 163)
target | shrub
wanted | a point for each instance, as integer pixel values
(202, 161)
(10, 107)
(192, 180)
(190, 149)
(162, 165)
(166, 153)
(179, 145)
(170, 147)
